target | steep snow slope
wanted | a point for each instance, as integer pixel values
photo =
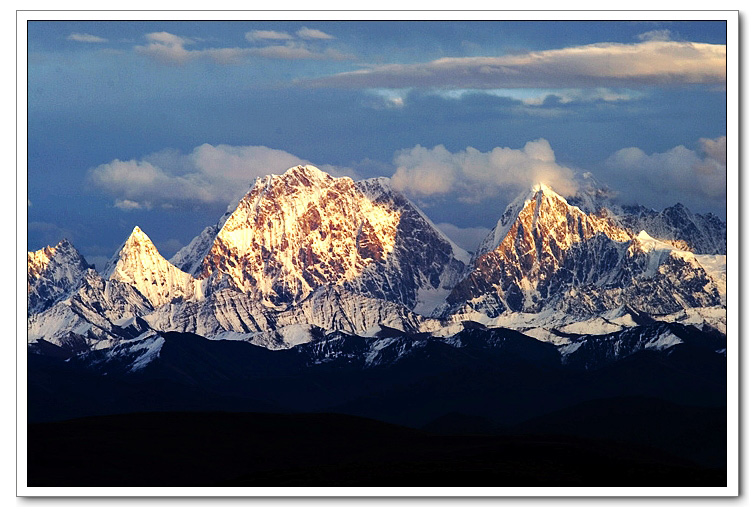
(675, 225)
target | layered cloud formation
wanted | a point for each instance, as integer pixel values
(472, 175)
(602, 64)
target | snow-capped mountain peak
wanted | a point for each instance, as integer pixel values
(132, 249)
(544, 188)
(52, 274)
(138, 263)
(545, 252)
(38, 261)
(295, 232)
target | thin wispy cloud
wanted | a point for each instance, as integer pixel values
(85, 38)
(600, 64)
(293, 51)
(307, 33)
(267, 35)
(172, 49)
(655, 35)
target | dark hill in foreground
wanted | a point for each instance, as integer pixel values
(252, 449)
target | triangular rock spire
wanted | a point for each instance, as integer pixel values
(138, 263)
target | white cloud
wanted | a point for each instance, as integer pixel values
(297, 51)
(171, 49)
(267, 35)
(714, 148)
(166, 47)
(600, 64)
(389, 98)
(208, 175)
(127, 205)
(472, 175)
(85, 38)
(655, 35)
(467, 238)
(669, 176)
(306, 33)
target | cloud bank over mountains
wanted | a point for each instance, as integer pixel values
(678, 171)
(472, 176)
(218, 175)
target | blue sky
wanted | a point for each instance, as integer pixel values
(162, 124)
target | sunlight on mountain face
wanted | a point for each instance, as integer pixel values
(303, 254)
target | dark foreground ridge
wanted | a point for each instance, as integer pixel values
(496, 409)
(259, 449)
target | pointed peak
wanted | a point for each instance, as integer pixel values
(137, 243)
(137, 235)
(677, 208)
(544, 191)
(49, 252)
(137, 238)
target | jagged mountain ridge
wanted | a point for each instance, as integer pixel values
(675, 225)
(98, 314)
(267, 274)
(545, 253)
